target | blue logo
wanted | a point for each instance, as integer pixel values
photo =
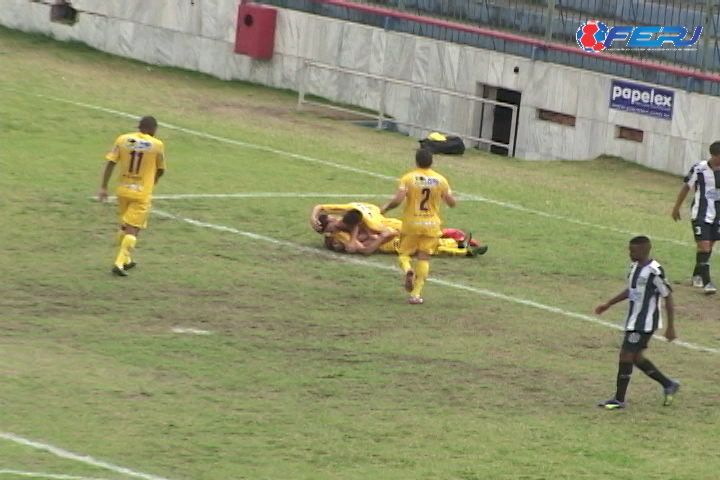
(594, 36)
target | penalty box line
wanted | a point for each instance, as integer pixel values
(458, 286)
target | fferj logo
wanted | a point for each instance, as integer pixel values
(595, 36)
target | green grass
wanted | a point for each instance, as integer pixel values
(316, 368)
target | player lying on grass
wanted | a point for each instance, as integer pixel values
(453, 242)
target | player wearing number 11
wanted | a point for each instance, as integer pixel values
(423, 190)
(141, 158)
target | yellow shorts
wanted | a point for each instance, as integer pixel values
(133, 212)
(391, 246)
(411, 244)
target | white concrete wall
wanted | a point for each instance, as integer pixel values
(201, 37)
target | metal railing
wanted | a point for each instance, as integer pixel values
(382, 116)
(535, 47)
(558, 20)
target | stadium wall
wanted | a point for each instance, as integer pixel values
(199, 35)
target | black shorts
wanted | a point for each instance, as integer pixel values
(636, 341)
(706, 231)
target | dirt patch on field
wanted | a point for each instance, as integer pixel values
(233, 109)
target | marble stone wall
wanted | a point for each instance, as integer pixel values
(200, 36)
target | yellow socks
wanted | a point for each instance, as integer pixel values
(405, 263)
(453, 252)
(126, 245)
(421, 273)
(120, 235)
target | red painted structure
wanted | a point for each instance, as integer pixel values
(255, 32)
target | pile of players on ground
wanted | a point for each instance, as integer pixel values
(360, 228)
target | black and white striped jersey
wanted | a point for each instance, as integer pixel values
(706, 183)
(646, 284)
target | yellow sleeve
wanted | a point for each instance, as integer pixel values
(404, 183)
(374, 224)
(342, 237)
(114, 153)
(336, 209)
(161, 164)
(446, 186)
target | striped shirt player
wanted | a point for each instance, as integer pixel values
(647, 286)
(704, 179)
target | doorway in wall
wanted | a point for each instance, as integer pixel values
(496, 120)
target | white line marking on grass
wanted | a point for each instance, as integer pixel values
(183, 196)
(58, 476)
(193, 331)
(87, 460)
(366, 263)
(340, 166)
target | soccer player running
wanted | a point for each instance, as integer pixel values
(141, 157)
(704, 178)
(646, 284)
(422, 189)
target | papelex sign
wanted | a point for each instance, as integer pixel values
(638, 98)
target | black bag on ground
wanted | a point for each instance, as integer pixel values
(451, 146)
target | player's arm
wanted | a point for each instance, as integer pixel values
(688, 183)
(447, 194)
(666, 292)
(670, 311)
(678, 203)
(616, 299)
(330, 209)
(449, 199)
(354, 244)
(107, 175)
(112, 157)
(160, 170)
(396, 200)
(373, 243)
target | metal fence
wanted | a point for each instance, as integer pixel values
(383, 84)
(535, 22)
(558, 20)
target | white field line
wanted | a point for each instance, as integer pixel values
(340, 166)
(458, 286)
(87, 460)
(58, 476)
(267, 195)
(193, 331)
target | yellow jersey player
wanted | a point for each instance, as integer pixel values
(423, 190)
(141, 158)
(356, 217)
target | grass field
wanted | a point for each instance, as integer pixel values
(315, 367)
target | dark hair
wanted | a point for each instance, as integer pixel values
(352, 217)
(148, 123)
(328, 241)
(715, 148)
(640, 240)
(323, 220)
(423, 157)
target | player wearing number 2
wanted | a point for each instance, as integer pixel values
(423, 189)
(141, 158)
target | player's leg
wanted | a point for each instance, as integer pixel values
(670, 387)
(406, 249)
(704, 234)
(448, 247)
(628, 352)
(426, 247)
(134, 219)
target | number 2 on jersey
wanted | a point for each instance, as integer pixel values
(135, 162)
(425, 198)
